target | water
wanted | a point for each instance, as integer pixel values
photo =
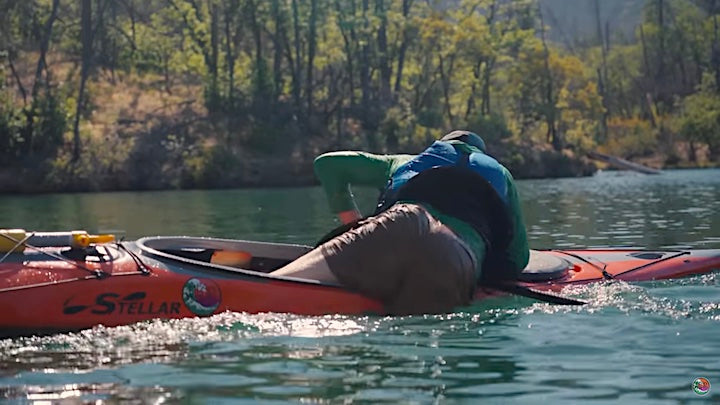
(634, 343)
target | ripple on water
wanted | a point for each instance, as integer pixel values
(633, 343)
(482, 352)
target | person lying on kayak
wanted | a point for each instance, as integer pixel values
(447, 220)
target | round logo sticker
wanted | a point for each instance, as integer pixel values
(701, 386)
(202, 297)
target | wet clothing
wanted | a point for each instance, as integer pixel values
(405, 258)
(442, 153)
(448, 201)
(466, 198)
(338, 171)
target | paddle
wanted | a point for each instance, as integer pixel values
(528, 292)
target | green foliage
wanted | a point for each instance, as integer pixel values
(699, 120)
(214, 101)
(208, 167)
(50, 122)
(492, 128)
(630, 137)
(430, 118)
(11, 124)
(396, 129)
(261, 83)
(35, 130)
(391, 75)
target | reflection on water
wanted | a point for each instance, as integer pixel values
(273, 215)
(633, 343)
(270, 355)
(678, 209)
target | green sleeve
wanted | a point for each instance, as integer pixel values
(517, 253)
(338, 171)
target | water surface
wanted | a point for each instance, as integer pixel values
(634, 343)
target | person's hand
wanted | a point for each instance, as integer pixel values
(349, 216)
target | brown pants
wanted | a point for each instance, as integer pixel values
(406, 259)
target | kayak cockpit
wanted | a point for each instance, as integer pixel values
(265, 257)
(260, 257)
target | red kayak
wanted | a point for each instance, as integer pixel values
(53, 289)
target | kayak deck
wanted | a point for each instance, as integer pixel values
(559, 267)
(59, 289)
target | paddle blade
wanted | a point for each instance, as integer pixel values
(538, 295)
(230, 258)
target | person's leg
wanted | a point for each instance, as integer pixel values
(311, 265)
(440, 280)
(403, 257)
(370, 258)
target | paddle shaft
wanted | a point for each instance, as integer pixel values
(528, 292)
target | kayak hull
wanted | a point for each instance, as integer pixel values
(50, 290)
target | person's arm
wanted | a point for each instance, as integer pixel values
(337, 171)
(518, 252)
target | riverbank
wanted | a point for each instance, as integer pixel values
(231, 170)
(165, 164)
(141, 137)
(161, 97)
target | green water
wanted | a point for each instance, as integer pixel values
(634, 343)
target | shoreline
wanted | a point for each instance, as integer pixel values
(20, 187)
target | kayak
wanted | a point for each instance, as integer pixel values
(52, 289)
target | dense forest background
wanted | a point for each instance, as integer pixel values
(146, 94)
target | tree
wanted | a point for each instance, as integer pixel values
(699, 121)
(86, 64)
